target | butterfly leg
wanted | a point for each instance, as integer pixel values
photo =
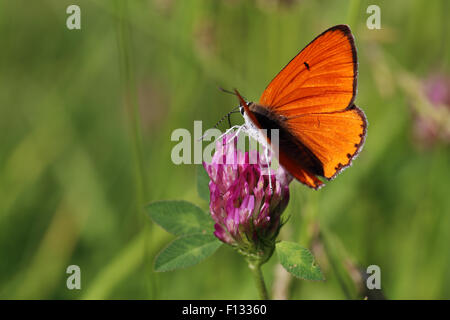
(236, 134)
(266, 155)
(223, 134)
(229, 120)
(260, 138)
(228, 131)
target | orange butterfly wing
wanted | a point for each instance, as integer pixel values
(321, 78)
(335, 138)
(313, 95)
(298, 172)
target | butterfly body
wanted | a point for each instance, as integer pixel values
(311, 103)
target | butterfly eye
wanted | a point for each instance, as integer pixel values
(241, 109)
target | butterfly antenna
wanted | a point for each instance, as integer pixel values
(227, 116)
(227, 91)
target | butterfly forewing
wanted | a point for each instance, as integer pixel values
(321, 78)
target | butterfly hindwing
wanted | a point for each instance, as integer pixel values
(334, 138)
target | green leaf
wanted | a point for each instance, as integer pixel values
(298, 261)
(202, 183)
(180, 217)
(186, 251)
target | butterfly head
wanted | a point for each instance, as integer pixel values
(242, 108)
(245, 111)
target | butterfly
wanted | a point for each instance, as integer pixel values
(311, 103)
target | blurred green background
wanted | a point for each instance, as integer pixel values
(85, 123)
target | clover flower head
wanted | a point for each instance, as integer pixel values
(245, 206)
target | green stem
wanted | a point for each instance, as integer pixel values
(335, 266)
(130, 95)
(131, 105)
(255, 267)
